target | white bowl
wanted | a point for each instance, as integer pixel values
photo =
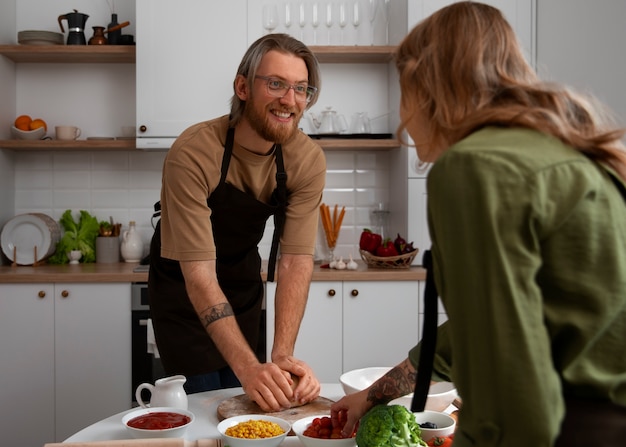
(176, 432)
(301, 424)
(262, 442)
(36, 134)
(445, 424)
(440, 394)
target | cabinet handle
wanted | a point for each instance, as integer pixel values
(354, 292)
(41, 294)
(65, 294)
(331, 292)
(143, 128)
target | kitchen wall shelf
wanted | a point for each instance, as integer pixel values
(108, 54)
(354, 54)
(358, 144)
(127, 145)
(126, 53)
(62, 145)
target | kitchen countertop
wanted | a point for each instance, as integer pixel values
(123, 272)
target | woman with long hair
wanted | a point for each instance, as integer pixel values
(527, 215)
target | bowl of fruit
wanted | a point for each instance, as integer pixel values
(386, 253)
(26, 128)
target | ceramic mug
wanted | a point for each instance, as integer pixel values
(67, 132)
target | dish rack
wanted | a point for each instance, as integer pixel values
(402, 261)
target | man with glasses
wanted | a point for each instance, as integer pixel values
(222, 180)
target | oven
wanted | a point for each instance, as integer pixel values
(145, 367)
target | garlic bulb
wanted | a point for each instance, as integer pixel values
(352, 265)
(333, 264)
(340, 264)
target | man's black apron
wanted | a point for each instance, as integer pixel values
(238, 222)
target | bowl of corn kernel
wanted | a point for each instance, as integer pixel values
(253, 430)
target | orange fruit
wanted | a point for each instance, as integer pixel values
(37, 123)
(22, 122)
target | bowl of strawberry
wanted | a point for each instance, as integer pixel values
(318, 431)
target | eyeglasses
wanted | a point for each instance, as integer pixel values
(278, 88)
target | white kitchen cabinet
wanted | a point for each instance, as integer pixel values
(184, 76)
(353, 324)
(65, 358)
(27, 364)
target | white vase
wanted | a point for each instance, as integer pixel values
(132, 245)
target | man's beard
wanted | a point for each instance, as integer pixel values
(268, 129)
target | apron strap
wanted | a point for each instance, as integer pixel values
(280, 214)
(228, 150)
(429, 338)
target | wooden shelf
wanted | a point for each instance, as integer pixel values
(354, 54)
(108, 54)
(360, 144)
(126, 53)
(61, 145)
(127, 145)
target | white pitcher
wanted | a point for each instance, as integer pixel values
(132, 245)
(166, 392)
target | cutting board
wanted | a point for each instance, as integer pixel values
(242, 404)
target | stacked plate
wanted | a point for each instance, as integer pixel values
(39, 38)
(25, 232)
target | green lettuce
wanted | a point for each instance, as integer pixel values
(79, 235)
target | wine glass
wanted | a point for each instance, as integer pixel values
(302, 19)
(329, 19)
(356, 17)
(343, 19)
(373, 8)
(270, 18)
(385, 10)
(315, 20)
(288, 18)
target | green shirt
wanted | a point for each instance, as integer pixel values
(529, 247)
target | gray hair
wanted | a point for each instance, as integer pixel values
(252, 59)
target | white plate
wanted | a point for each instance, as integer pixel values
(25, 232)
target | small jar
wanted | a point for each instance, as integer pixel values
(132, 245)
(98, 36)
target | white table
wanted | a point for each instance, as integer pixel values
(202, 405)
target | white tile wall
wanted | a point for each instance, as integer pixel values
(125, 185)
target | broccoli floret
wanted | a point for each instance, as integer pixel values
(389, 426)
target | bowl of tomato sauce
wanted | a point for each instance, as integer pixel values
(158, 422)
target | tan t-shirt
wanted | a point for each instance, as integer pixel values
(192, 170)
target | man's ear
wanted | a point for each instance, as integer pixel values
(241, 87)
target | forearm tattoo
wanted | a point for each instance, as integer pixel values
(396, 383)
(217, 312)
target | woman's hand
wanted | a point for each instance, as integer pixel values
(350, 408)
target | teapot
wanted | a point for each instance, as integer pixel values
(166, 392)
(329, 122)
(75, 26)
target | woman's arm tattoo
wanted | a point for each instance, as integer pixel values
(217, 312)
(396, 383)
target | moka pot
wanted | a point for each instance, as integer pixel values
(75, 26)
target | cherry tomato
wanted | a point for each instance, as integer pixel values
(322, 428)
(440, 441)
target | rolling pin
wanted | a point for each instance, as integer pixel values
(173, 442)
